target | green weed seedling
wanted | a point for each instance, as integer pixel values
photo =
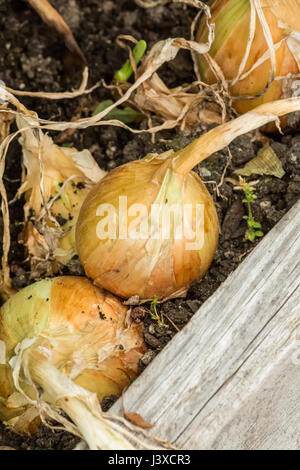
(154, 313)
(126, 71)
(254, 227)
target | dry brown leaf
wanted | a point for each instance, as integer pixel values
(209, 116)
(51, 173)
(137, 419)
(28, 423)
(6, 414)
(6, 381)
(265, 163)
(35, 242)
(180, 105)
(6, 118)
(52, 18)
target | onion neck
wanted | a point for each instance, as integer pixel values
(216, 139)
(78, 404)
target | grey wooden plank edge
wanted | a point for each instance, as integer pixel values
(258, 407)
(183, 379)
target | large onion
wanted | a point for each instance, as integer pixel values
(249, 36)
(69, 337)
(152, 265)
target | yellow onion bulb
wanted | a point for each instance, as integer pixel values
(129, 239)
(132, 234)
(84, 328)
(232, 19)
(74, 329)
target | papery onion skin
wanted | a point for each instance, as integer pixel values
(147, 268)
(232, 21)
(83, 329)
(59, 178)
(158, 266)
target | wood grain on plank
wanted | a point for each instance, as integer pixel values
(231, 377)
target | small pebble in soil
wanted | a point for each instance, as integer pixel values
(152, 340)
(147, 358)
(194, 305)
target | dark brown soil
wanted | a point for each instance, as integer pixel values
(33, 58)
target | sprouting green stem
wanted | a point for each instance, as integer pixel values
(126, 71)
(155, 315)
(249, 210)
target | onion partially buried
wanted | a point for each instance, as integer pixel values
(247, 34)
(146, 230)
(71, 338)
(157, 261)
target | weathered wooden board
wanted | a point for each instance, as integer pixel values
(231, 377)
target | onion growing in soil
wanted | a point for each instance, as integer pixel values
(257, 46)
(73, 341)
(146, 265)
(56, 182)
(121, 242)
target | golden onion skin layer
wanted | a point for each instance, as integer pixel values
(146, 267)
(82, 328)
(232, 21)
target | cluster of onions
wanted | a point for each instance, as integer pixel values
(257, 47)
(56, 182)
(64, 344)
(123, 248)
(134, 255)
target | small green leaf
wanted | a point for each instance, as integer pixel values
(126, 71)
(252, 223)
(251, 235)
(102, 106)
(126, 115)
(256, 224)
(249, 197)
